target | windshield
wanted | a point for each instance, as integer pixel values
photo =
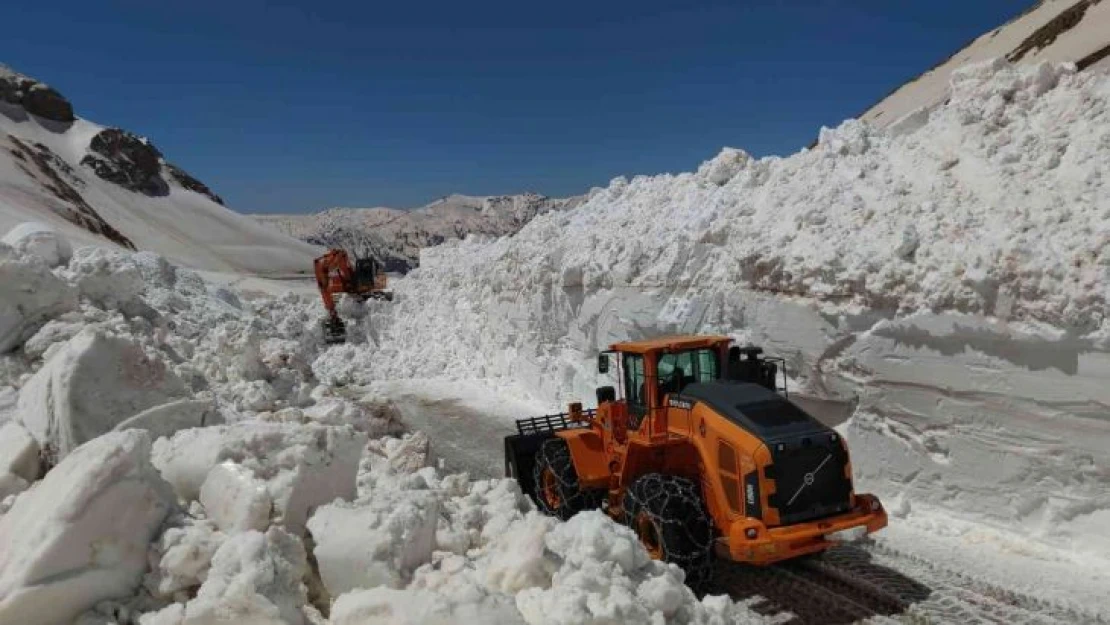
(678, 369)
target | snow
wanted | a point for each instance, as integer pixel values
(165, 419)
(39, 240)
(29, 296)
(19, 453)
(91, 385)
(80, 536)
(302, 466)
(255, 578)
(235, 499)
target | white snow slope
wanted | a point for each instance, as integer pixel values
(397, 236)
(949, 275)
(1076, 31)
(183, 225)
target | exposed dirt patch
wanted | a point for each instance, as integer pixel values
(1047, 34)
(37, 161)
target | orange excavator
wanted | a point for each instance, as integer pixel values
(335, 275)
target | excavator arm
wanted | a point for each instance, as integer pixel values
(333, 275)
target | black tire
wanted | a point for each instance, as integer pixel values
(668, 513)
(556, 482)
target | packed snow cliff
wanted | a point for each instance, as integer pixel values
(168, 457)
(948, 276)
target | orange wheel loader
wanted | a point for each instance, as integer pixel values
(701, 453)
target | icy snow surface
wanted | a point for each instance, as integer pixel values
(947, 276)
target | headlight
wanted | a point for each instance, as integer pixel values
(875, 505)
(751, 533)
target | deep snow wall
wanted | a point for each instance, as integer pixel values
(948, 275)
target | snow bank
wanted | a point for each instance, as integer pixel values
(91, 385)
(303, 466)
(29, 297)
(81, 535)
(41, 241)
(993, 209)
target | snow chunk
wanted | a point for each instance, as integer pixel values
(80, 536)
(30, 295)
(108, 278)
(235, 499)
(19, 453)
(255, 578)
(91, 385)
(724, 167)
(377, 543)
(182, 557)
(303, 466)
(41, 241)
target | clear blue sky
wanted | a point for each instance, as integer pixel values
(298, 105)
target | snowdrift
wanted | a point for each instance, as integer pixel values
(947, 276)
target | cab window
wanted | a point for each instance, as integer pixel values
(634, 384)
(678, 369)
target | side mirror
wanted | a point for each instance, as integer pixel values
(603, 363)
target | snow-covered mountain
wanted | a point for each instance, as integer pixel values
(397, 236)
(105, 186)
(1076, 31)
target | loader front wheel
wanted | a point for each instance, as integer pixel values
(557, 490)
(668, 514)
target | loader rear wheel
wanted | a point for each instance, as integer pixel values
(668, 513)
(557, 490)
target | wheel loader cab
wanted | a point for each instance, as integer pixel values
(709, 421)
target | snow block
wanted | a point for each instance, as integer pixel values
(30, 295)
(19, 453)
(235, 500)
(107, 278)
(40, 240)
(255, 578)
(88, 387)
(170, 417)
(11, 484)
(303, 466)
(81, 535)
(378, 543)
(184, 556)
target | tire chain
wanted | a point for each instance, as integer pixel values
(554, 453)
(685, 531)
